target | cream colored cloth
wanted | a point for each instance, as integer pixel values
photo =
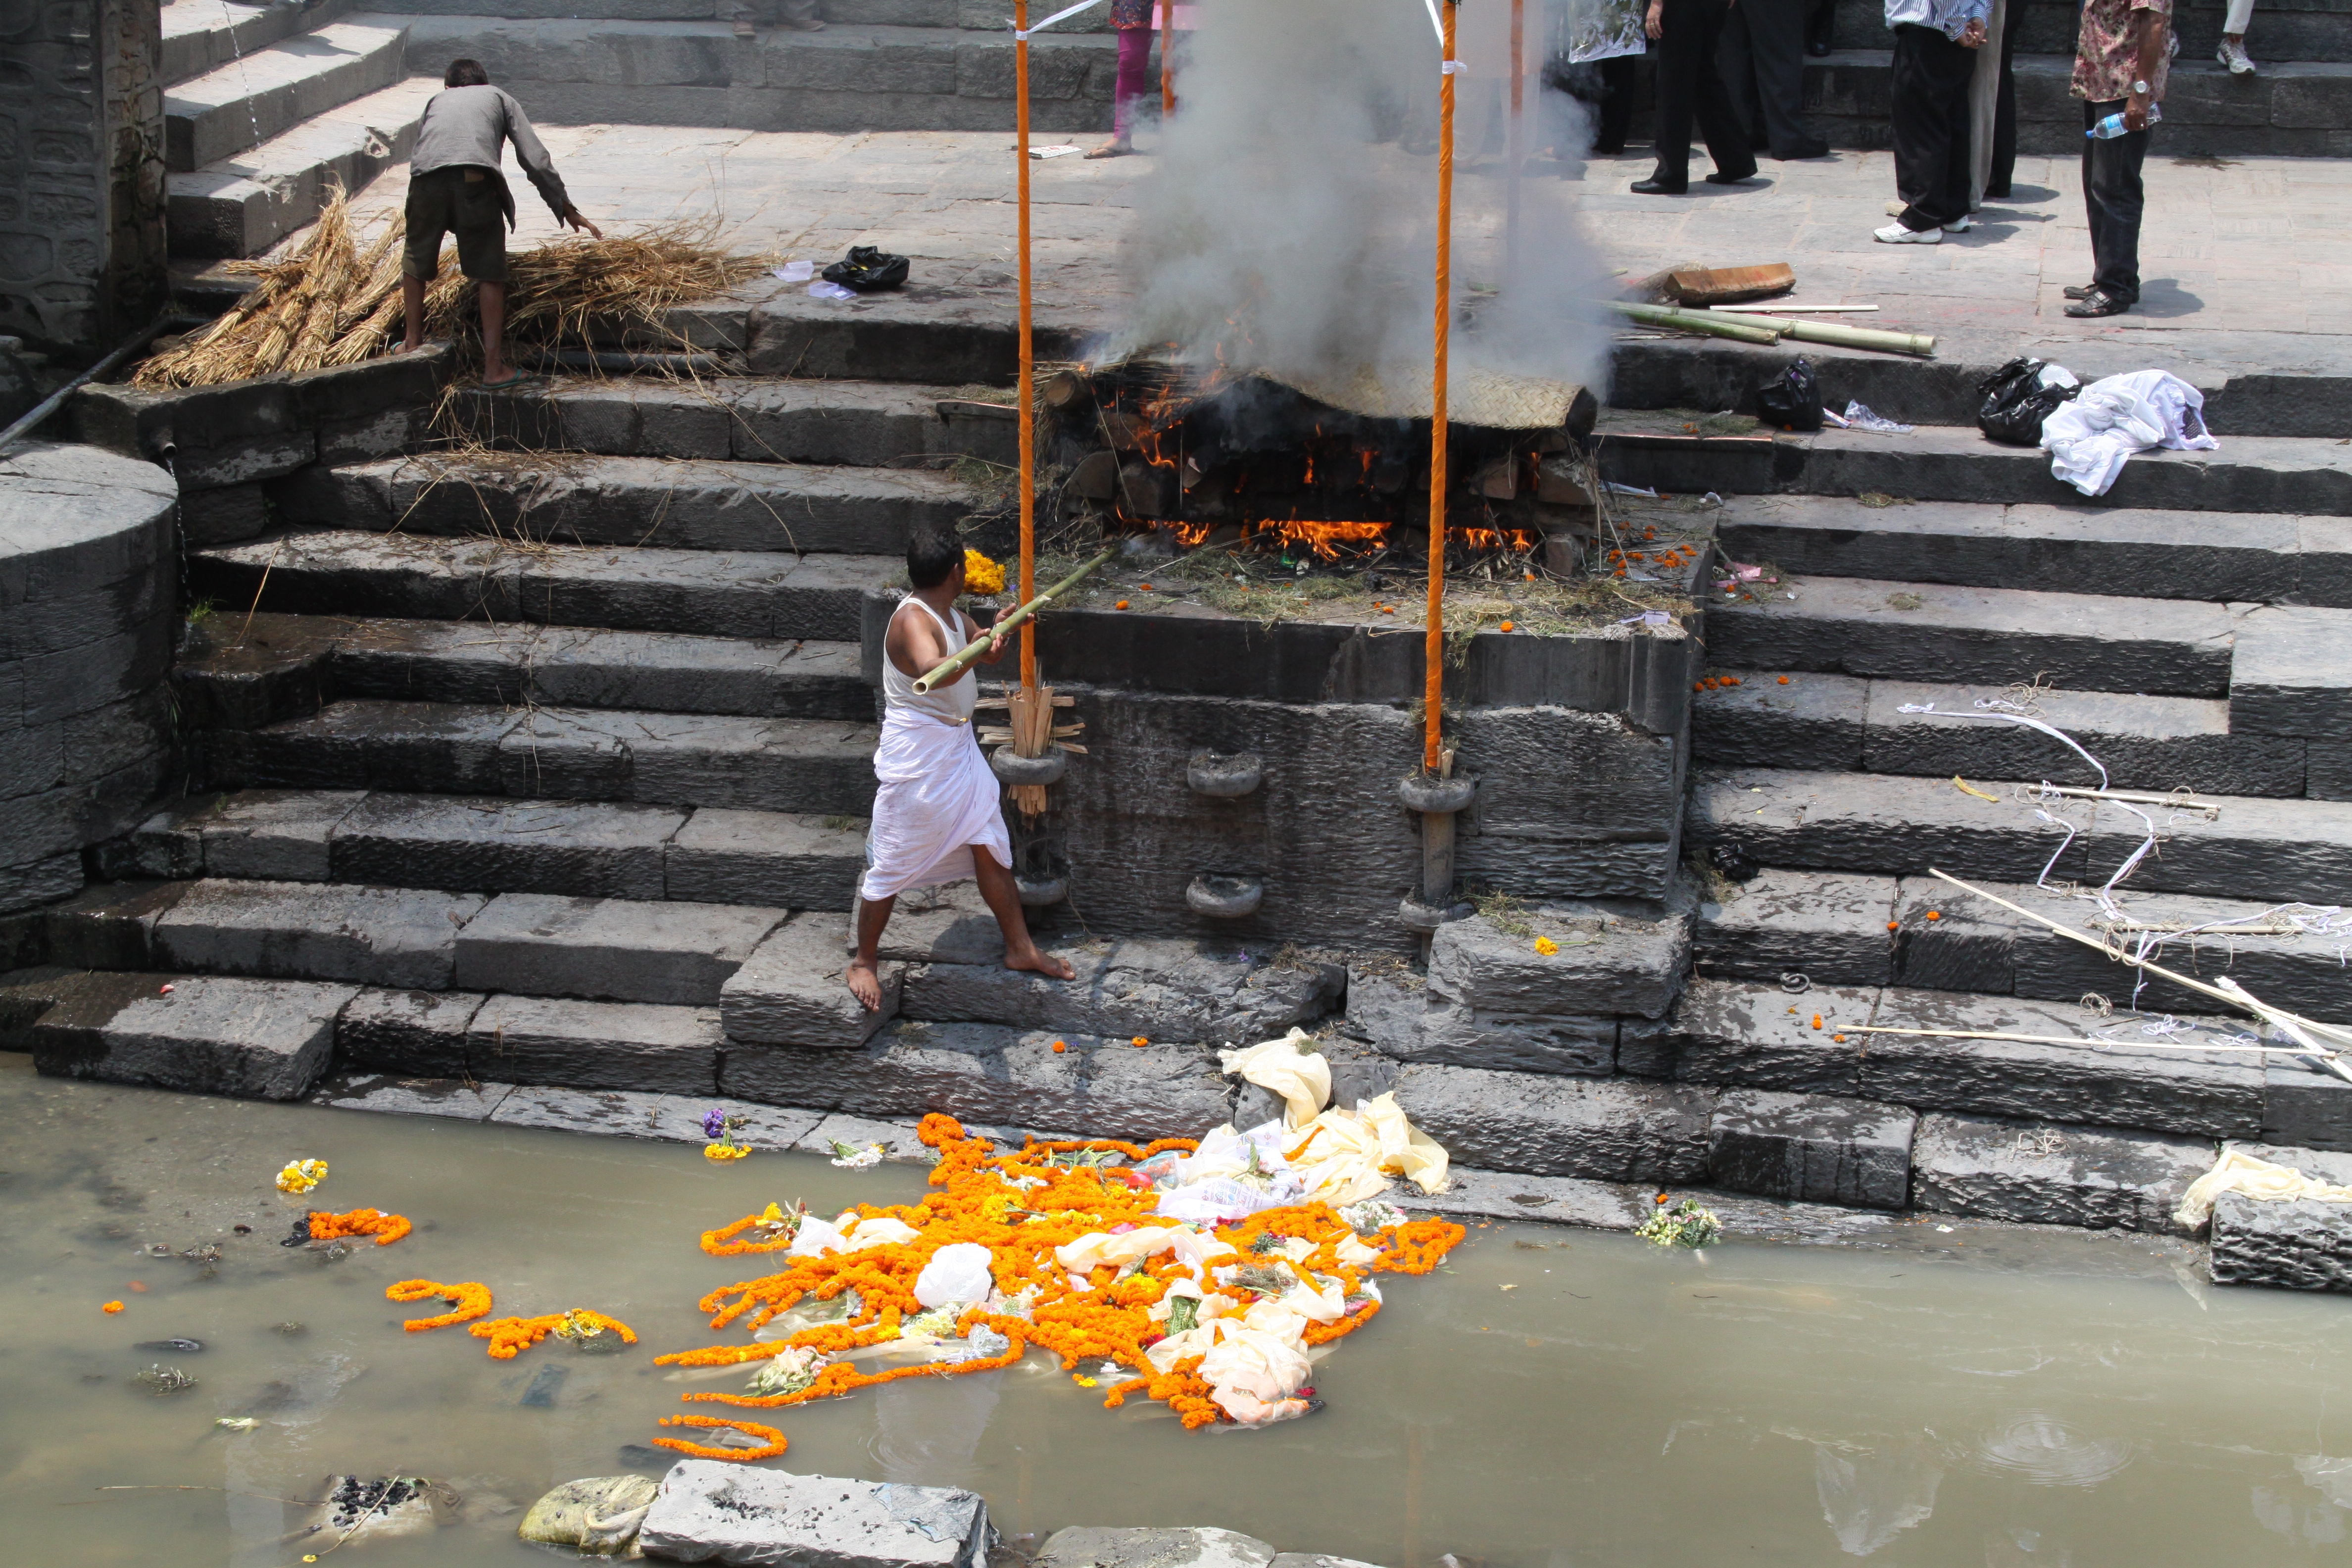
(1345, 1156)
(817, 1237)
(1291, 1067)
(2238, 1172)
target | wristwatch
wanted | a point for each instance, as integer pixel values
(2139, 89)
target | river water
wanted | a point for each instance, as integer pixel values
(1552, 1399)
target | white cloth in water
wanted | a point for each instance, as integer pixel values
(938, 797)
(815, 1238)
(2090, 439)
(2238, 1172)
(1345, 1156)
(1291, 1067)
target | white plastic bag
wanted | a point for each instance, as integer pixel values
(957, 1273)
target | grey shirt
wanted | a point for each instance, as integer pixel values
(464, 126)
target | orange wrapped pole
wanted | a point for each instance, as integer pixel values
(1516, 137)
(1434, 678)
(1027, 416)
(1167, 63)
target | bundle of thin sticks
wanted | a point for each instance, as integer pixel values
(329, 302)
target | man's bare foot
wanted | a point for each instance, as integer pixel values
(1117, 147)
(866, 985)
(406, 347)
(1042, 963)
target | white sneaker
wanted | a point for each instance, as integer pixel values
(2234, 57)
(1961, 224)
(1895, 234)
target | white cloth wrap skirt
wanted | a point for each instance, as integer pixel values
(938, 799)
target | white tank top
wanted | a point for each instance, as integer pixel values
(951, 704)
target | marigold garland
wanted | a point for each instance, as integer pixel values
(386, 1228)
(775, 1439)
(468, 1299)
(510, 1337)
(1022, 1208)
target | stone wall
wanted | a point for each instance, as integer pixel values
(81, 169)
(86, 585)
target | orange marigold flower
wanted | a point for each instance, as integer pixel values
(1141, 1040)
(1120, 606)
(468, 1300)
(1935, 914)
(1506, 625)
(386, 1228)
(1060, 1045)
(1784, 680)
(111, 1308)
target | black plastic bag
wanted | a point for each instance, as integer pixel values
(867, 269)
(1731, 861)
(2012, 402)
(1792, 400)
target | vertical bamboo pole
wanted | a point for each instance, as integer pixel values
(1434, 678)
(1516, 150)
(1027, 395)
(1167, 63)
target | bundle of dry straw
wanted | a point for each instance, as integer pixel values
(332, 303)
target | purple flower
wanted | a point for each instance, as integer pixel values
(714, 1122)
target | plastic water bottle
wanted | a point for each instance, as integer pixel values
(2114, 126)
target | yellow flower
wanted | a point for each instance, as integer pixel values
(982, 576)
(300, 1176)
(725, 1151)
(1545, 947)
(1086, 1381)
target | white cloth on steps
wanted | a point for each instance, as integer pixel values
(2090, 439)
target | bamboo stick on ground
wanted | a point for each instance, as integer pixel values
(1745, 330)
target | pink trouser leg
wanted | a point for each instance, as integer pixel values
(1134, 60)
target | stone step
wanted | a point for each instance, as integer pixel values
(821, 766)
(2224, 557)
(982, 15)
(587, 848)
(1929, 632)
(1805, 720)
(692, 504)
(2290, 675)
(850, 77)
(2279, 474)
(253, 1039)
(1740, 1033)
(199, 35)
(284, 667)
(2249, 847)
(242, 204)
(711, 593)
(753, 419)
(2296, 106)
(270, 90)
(1842, 929)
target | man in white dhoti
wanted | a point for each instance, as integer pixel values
(938, 816)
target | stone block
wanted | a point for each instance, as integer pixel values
(422, 747)
(1759, 1036)
(1814, 721)
(791, 991)
(781, 860)
(2328, 770)
(2301, 1246)
(546, 945)
(2043, 1174)
(1829, 926)
(2196, 1095)
(399, 937)
(1968, 944)
(985, 1075)
(2305, 1105)
(280, 836)
(1607, 964)
(1162, 988)
(711, 1512)
(1412, 1023)
(605, 848)
(1089, 1546)
(449, 1097)
(110, 925)
(408, 1034)
(1810, 1148)
(224, 516)
(252, 1039)
(596, 1044)
(1609, 1129)
(32, 883)
(2288, 673)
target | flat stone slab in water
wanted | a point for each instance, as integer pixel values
(1811, 1148)
(2043, 1174)
(1089, 1546)
(448, 1096)
(255, 1039)
(2301, 1246)
(676, 1118)
(709, 1511)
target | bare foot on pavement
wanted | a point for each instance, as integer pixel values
(866, 985)
(1044, 963)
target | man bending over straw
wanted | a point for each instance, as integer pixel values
(456, 185)
(938, 815)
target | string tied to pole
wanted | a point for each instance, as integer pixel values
(1026, 33)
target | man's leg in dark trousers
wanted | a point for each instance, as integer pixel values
(1690, 89)
(1776, 50)
(2003, 173)
(2112, 199)
(1931, 151)
(1735, 62)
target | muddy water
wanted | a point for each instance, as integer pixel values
(1557, 1398)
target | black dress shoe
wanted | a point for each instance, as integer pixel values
(2081, 290)
(1805, 150)
(1654, 187)
(2099, 303)
(1719, 178)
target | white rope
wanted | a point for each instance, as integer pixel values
(1024, 34)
